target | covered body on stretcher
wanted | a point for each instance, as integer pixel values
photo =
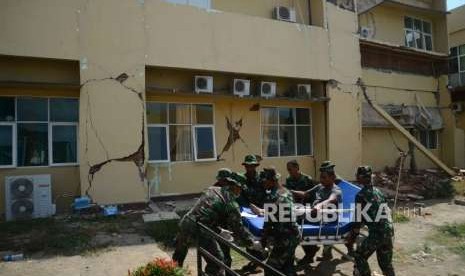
(319, 233)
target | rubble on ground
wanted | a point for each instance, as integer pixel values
(424, 184)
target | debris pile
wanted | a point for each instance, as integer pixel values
(424, 184)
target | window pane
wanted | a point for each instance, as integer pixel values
(270, 141)
(6, 145)
(428, 43)
(200, 3)
(204, 142)
(32, 144)
(157, 113)
(286, 116)
(417, 25)
(453, 51)
(433, 139)
(64, 144)
(269, 116)
(426, 27)
(453, 65)
(462, 63)
(409, 41)
(203, 114)
(157, 143)
(287, 140)
(177, 1)
(408, 22)
(462, 50)
(419, 40)
(7, 109)
(423, 138)
(32, 109)
(64, 110)
(304, 140)
(303, 116)
(180, 113)
(180, 143)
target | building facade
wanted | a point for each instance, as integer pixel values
(127, 100)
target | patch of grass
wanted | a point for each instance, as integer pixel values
(24, 226)
(451, 236)
(400, 218)
(163, 231)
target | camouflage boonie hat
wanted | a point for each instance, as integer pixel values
(327, 166)
(270, 173)
(223, 173)
(364, 171)
(251, 160)
(239, 179)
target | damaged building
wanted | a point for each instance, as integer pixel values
(125, 101)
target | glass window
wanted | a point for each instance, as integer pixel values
(408, 22)
(33, 109)
(428, 43)
(269, 116)
(290, 135)
(158, 149)
(64, 110)
(32, 144)
(157, 113)
(462, 63)
(270, 141)
(7, 109)
(433, 139)
(204, 143)
(462, 50)
(180, 143)
(453, 51)
(203, 114)
(180, 113)
(64, 144)
(6, 145)
(287, 140)
(409, 41)
(426, 27)
(453, 65)
(418, 34)
(423, 138)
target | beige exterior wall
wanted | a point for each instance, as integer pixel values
(387, 24)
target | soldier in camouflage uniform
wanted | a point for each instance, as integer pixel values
(253, 196)
(301, 186)
(217, 209)
(380, 233)
(283, 236)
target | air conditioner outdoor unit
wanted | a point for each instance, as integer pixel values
(284, 14)
(457, 107)
(366, 32)
(268, 89)
(28, 197)
(423, 121)
(304, 91)
(203, 84)
(241, 87)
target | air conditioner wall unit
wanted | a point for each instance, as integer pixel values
(457, 107)
(366, 32)
(203, 84)
(268, 89)
(241, 87)
(284, 14)
(304, 91)
(28, 197)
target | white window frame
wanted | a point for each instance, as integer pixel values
(190, 3)
(167, 128)
(428, 141)
(50, 143)
(13, 137)
(295, 125)
(457, 57)
(49, 134)
(422, 33)
(194, 140)
(192, 126)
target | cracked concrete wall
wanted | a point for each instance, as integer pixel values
(343, 91)
(112, 110)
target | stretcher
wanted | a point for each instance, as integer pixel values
(318, 233)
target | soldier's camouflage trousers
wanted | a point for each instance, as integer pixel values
(383, 245)
(282, 256)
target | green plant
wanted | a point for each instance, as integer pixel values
(163, 231)
(159, 267)
(400, 218)
(454, 230)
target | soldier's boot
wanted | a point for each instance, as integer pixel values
(310, 252)
(327, 254)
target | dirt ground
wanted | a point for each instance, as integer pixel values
(419, 250)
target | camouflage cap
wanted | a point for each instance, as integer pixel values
(239, 178)
(327, 166)
(364, 171)
(223, 173)
(270, 173)
(251, 160)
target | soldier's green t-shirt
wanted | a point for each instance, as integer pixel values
(303, 183)
(322, 193)
(253, 192)
(372, 195)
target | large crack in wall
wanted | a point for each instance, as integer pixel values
(138, 156)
